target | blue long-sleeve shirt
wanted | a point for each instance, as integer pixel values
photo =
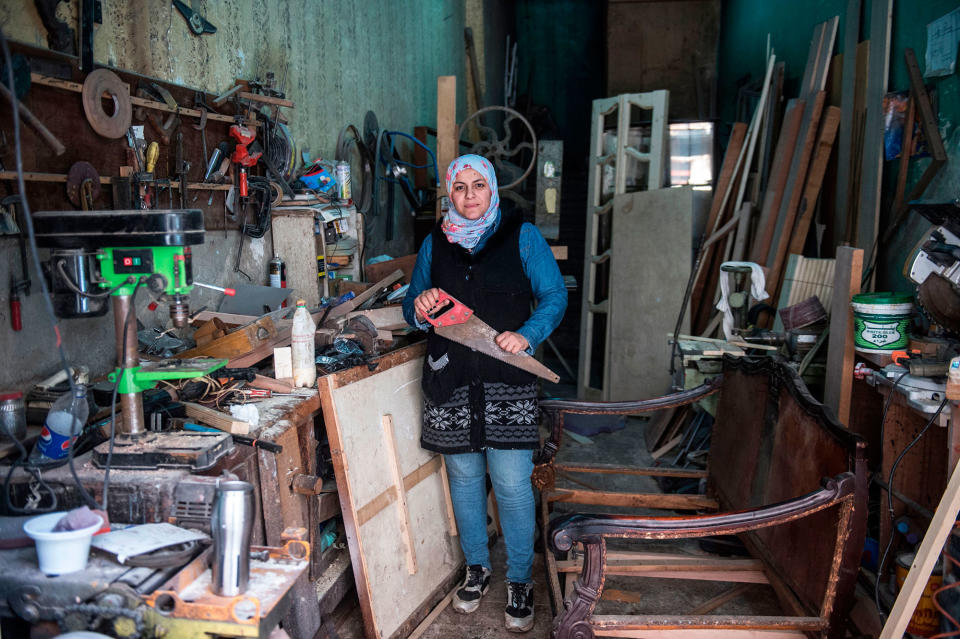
(538, 265)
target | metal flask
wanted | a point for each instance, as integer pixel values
(230, 525)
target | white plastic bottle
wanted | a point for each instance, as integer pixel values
(303, 347)
(70, 409)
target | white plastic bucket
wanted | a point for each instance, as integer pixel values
(60, 552)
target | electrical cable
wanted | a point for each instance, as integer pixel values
(35, 259)
(893, 470)
(76, 289)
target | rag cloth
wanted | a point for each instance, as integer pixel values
(758, 291)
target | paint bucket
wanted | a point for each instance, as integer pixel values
(881, 321)
(926, 619)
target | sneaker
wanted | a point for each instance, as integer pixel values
(475, 585)
(518, 615)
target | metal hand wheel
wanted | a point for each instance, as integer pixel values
(499, 151)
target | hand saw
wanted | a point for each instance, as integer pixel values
(455, 321)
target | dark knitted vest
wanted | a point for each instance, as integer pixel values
(491, 282)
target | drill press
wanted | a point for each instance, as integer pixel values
(100, 254)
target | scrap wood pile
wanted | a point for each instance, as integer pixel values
(777, 181)
(350, 329)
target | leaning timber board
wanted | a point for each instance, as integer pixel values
(379, 532)
(651, 249)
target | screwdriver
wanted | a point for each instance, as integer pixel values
(262, 392)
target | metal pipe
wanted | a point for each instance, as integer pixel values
(131, 404)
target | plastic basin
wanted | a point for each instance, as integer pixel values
(60, 552)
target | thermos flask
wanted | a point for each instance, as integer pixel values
(230, 525)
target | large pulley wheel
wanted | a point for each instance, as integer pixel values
(110, 125)
(500, 151)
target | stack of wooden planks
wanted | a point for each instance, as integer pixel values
(764, 201)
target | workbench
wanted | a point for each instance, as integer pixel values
(288, 494)
(922, 474)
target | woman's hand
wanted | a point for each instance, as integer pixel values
(512, 342)
(425, 302)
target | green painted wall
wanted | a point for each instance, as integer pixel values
(561, 53)
(743, 39)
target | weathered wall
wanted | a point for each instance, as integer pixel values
(340, 58)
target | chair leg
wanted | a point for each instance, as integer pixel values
(574, 621)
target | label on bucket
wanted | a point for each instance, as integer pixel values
(880, 335)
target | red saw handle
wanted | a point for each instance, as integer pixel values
(451, 311)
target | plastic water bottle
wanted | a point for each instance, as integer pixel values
(66, 418)
(303, 347)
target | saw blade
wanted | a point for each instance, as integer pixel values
(480, 336)
(940, 301)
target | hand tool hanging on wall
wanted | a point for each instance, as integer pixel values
(243, 157)
(34, 121)
(83, 185)
(197, 23)
(455, 321)
(22, 285)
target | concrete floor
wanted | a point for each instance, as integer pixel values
(622, 595)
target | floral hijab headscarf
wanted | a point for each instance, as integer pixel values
(458, 229)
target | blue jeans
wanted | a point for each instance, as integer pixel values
(510, 473)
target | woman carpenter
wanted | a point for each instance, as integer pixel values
(479, 412)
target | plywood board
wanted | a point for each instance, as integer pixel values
(868, 217)
(355, 403)
(839, 374)
(653, 230)
(447, 144)
(293, 240)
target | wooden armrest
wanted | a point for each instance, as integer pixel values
(567, 530)
(555, 409)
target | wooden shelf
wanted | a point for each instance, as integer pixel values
(61, 178)
(76, 87)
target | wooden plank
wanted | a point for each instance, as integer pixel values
(385, 317)
(560, 252)
(796, 178)
(653, 227)
(667, 447)
(447, 498)
(240, 342)
(851, 35)
(664, 501)
(838, 385)
(706, 633)
(808, 201)
(680, 571)
(754, 132)
(265, 99)
(353, 404)
(216, 419)
(868, 217)
(447, 143)
(705, 282)
(610, 469)
(905, 150)
(655, 562)
(944, 519)
(715, 602)
(375, 272)
(294, 241)
(393, 463)
(77, 87)
(429, 619)
(351, 304)
(776, 186)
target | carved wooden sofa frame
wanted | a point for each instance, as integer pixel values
(783, 475)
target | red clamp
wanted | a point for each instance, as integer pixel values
(449, 311)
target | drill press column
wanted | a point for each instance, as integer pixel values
(131, 404)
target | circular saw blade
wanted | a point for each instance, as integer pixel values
(940, 301)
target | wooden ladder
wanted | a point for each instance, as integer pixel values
(600, 222)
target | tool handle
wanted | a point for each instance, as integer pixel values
(15, 314)
(449, 311)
